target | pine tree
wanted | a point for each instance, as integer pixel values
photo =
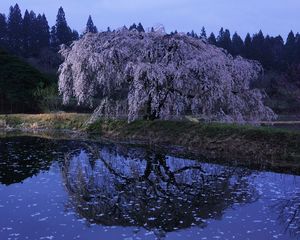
(272, 54)
(90, 27)
(33, 35)
(63, 33)
(193, 34)
(133, 27)
(27, 33)
(258, 47)
(220, 37)
(3, 31)
(224, 39)
(237, 45)
(41, 28)
(291, 39)
(212, 39)
(227, 40)
(203, 33)
(140, 28)
(248, 46)
(297, 47)
(45, 32)
(14, 29)
(290, 47)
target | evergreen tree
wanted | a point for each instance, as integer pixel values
(268, 58)
(290, 47)
(140, 28)
(108, 29)
(203, 33)
(40, 33)
(45, 31)
(272, 53)
(33, 34)
(14, 29)
(3, 31)
(63, 33)
(90, 27)
(133, 27)
(297, 47)
(248, 47)
(220, 36)
(224, 39)
(291, 39)
(27, 34)
(227, 40)
(193, 34)
(237, 45)
(258, 47)
(212, 39)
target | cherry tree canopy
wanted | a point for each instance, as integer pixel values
(155, 75)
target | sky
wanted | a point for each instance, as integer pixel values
(271, 16)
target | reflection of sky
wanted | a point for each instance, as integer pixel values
(37, 209)
(272, 16)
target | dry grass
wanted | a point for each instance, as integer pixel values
(73, 121)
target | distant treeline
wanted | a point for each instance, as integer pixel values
(272, 52)
(27, 35)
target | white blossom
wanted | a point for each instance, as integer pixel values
(160, 76)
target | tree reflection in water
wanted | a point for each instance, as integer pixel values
(24, 157)
(119, 186)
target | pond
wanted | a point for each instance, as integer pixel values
(60, 189)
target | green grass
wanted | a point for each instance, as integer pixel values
(229, 141)
(181, 127)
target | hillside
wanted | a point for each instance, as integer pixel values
(19, 84)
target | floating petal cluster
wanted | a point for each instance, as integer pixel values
(159, 76)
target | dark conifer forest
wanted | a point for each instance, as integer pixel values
(28, 36)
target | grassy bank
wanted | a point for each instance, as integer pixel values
(223, 142)
(263, 146)
(65, 121)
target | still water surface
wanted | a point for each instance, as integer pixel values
(51, 189)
